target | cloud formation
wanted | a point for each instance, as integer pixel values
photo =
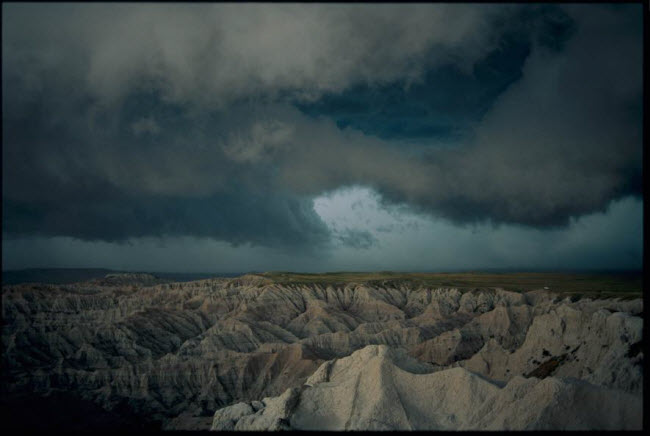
(171, 120)
(552, 146)
(217, 53)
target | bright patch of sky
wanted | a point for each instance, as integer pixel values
(407, 241)
(387, 238)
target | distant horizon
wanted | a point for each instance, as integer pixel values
(58, 276)
(465, 270)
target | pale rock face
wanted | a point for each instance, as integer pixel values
(226, 418)
(592, 345)
(175, 353)
(379, 388)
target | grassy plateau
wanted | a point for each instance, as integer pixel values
(594, 285)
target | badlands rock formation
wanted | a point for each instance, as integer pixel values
(170, 355)
(379, 388)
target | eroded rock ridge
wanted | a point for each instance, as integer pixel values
(176, 353)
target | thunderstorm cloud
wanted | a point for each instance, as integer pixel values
(228, 123)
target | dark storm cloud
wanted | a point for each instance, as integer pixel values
(108, 177)
(562, 141)
(150, 120)
(126, 121)
(273, 219)
(219, 53)
(447, 100)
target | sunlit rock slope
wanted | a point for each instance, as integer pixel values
(381, 388)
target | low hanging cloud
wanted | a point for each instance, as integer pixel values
(172, 120)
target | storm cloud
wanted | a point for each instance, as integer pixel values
(226, 121)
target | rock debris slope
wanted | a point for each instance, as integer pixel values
(171, 354)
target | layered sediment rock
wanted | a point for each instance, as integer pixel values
(175, 353)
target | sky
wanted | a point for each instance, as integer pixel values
(322, 137)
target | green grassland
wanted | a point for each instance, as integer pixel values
(594, 285)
